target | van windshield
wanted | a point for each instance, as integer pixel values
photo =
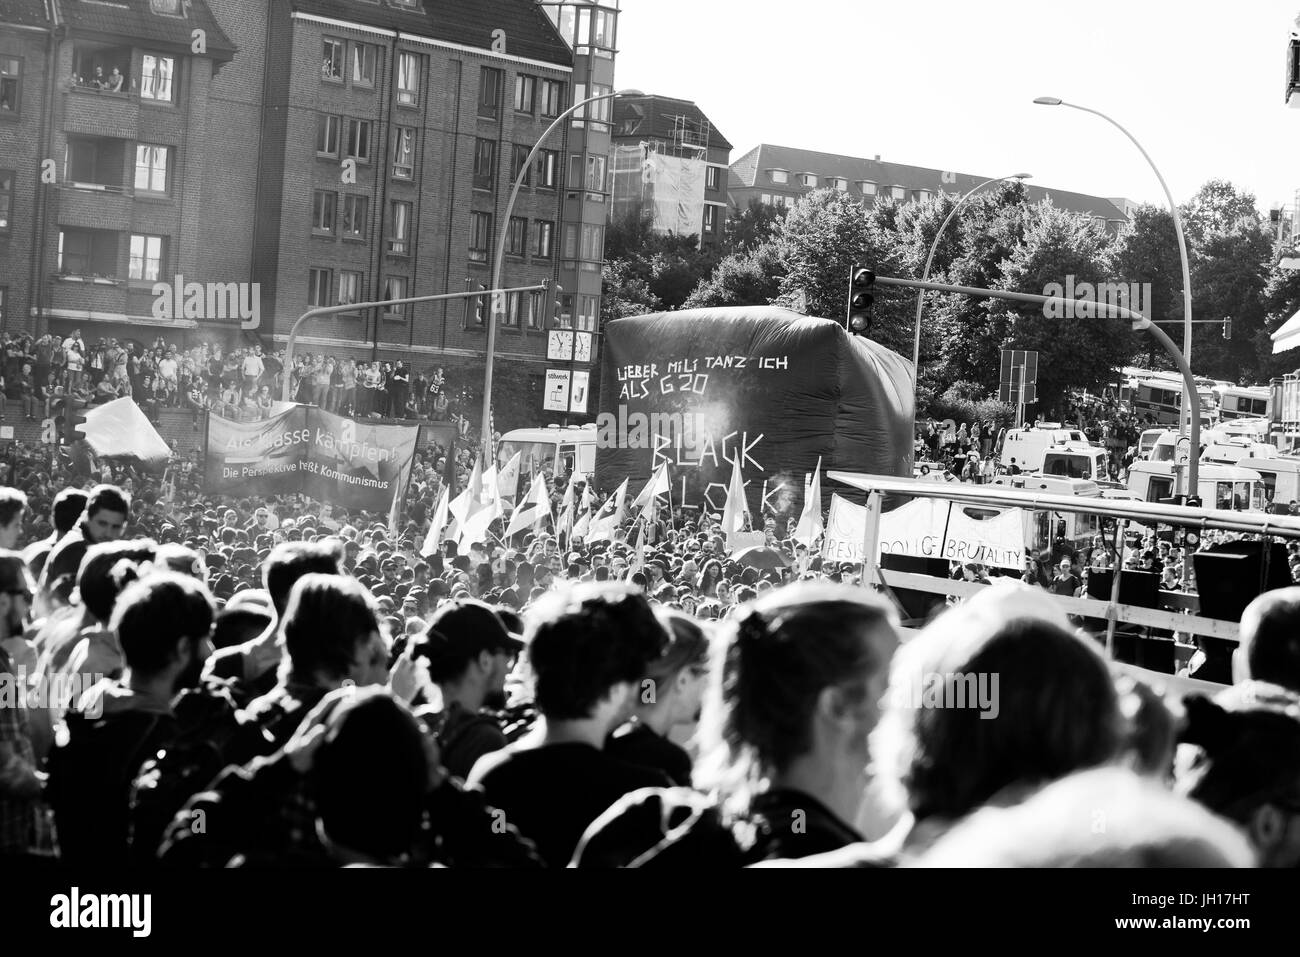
(534, 456)
(1069, 466)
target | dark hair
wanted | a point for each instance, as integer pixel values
(1270, 637)
(107, 498)
(157, 612)
(368, 798)
(687, 646)
(235, 627)
(1057, 711)
(587, 639)
(327, 618)
(289, 561)
(12, 504)
(786, 649)
(107, 569)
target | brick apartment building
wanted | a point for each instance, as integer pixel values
(779, 175)
(329, 151)
(650, 127)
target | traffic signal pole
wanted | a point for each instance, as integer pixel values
(1138, 320)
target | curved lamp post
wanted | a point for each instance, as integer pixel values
(503, 226)
(1191, 401)
(925, 273)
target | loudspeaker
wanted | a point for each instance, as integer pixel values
(1230, 576)
(1154, 654)
(917, 604)
(1135, 588)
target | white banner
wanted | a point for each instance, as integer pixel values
(556, 398)
(929, 528)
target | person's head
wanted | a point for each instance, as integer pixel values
(469, 651)
(674, 682)
(797, 682)
(164, 623)
(13, 504)
(17, 591)
(994, 694)
(106, 511)
(588, 646)
(331, 632)
(107, 569)
(369, 800)
(1269, 640)
(1106, 817)
(289, 561)
(1243, 763)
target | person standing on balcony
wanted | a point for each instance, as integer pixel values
(115, 81)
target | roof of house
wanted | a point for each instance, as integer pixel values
(26, 13)
(746, 172)
(529, 32)
(656, 116)
(136, 21)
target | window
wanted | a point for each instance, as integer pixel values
(779, 176)
(332, 61)
(404, 153)
(349, 286)
(565, 319)
(536, 305)
(354, 217)
(480, 234)
(922, 195)
(6, 198)
(409, 4)
(489, 92)
(323, 204)
(318, 287)
(546, 169)
(570, 250)
(868, 188)
(399, 228)
(395, 287)
(593, 242)
(146, 258)
(4, 295)
(485, 163)
(840, 183)
(525, 90)
(514, 304)
(587, 313)
(600, 110)
(11, 85)
(364, 57)
(475, 310)
(151, 168)
(898, 193)
(552, 98)
(517, 236)
(766, 199)
(595, 172)
(327, 135)
(167, 8)
(544, 240)
(807, 179)
(518, 157)
(408, 79)
(602, 29)
(156, 77)
(712, 177)
(358, 145)
(710, 219)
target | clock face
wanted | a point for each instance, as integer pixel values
(559, 345)
(582, 352)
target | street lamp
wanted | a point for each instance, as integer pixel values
(925, 274)
(1191, 402)
(502, 233)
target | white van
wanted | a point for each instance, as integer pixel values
(553, 449)
(1076, 462)
(1028, 446)
(1227, 487)
(1280, 475)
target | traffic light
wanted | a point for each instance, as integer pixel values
(1227, 328)
(861, 283)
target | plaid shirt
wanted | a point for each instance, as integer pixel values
(22, 820)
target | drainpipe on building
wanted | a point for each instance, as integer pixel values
(380, 165)
(40, 221)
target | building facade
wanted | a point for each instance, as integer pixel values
(670, 164)
(779, 175)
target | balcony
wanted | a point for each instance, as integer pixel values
(84, 294)
(100, 113)
(93, 207)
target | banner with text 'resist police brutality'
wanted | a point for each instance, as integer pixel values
(303, 449)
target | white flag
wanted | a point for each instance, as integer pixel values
(736, 508)
(431, 543)
(657, 485)
(468, 501)
(508, 478)
(810, 522)
(533, 508)
(606, 526)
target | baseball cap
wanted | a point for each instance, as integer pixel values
(460, 630)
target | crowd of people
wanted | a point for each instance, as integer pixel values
(605, 705)
(49, 372)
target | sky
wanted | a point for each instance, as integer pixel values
(950, 84)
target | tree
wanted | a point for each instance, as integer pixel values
(670, 266)
(1217, 205)
(1229, 278)
(750, 278)
(753, 226)
(1281, 300)
(624, 293)
(1146, 252)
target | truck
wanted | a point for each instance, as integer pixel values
(1228, 487)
